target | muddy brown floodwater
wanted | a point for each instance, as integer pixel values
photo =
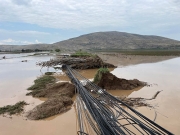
(16, 76)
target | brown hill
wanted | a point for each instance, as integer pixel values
(105, 40)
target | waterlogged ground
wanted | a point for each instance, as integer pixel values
(16, 76)
(163, 76)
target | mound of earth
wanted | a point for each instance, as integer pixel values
(58, 89)
(109, 81)
(59, 99)
(91, 62)
(50, 107)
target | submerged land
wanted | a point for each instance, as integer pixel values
(58, 95)
(107, 58)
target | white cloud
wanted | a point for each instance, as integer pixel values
(8, 40)
(24, 32)
(79, 14)
(33, 32)
(25, 43)
(21, 2)
(37, 42)
(134, 16)
(22, 37)
(14, 42)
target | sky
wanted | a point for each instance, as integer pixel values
(48, 21)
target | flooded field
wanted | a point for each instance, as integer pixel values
(17, 76)
(163, 76)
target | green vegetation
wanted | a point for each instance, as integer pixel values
(98, 74)
(81, 53)
(41, 82)
(152, 52)
(57, 50)
(49, 73)
(13, 109)
(31, 50)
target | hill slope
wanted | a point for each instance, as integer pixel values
(20, 47)
(105, 40)
(118, 40)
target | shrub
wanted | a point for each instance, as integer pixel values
(13, 109)
(41, 82)
(81, 54)
(57, 50)
(99, 73)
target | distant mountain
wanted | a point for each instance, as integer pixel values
(105, 40)
(20, 47)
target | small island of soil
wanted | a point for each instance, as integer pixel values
(88, 62)
(59, 99)
(109, 81)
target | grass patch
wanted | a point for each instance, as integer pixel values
(13, 109)
(41, 82)
(81, 54)
(33, 93)
(49, 73)
(98, 74)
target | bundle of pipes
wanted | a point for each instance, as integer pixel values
(106, 116)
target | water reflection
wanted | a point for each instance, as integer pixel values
(123, 93)
(16, 76)
(164, 76)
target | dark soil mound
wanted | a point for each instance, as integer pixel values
(90, 62)
(49, 108)
(111, 82)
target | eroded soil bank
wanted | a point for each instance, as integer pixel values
(59, 98)
(89, 62)
(109, 81)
